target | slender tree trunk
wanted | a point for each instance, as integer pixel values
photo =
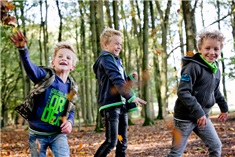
(190, 27)
(78, 107)
(115, 14)
(233, 22)
(164, 56)
(82, 48)
(180, 24)
(137, 31)
(156, 62)
(108, 14)
(145, 69)
(45, 35)
(99, 28)
(222, 56)
(61, 23)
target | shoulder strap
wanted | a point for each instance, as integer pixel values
(45, 82)
(27, 106)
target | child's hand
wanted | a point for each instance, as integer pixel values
(135, 76)
(223, 117)
(18, 39)
(201, 122)
(139, 101)
(66, 127)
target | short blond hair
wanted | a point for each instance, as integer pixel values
(65, 45)
(209, 34)
(107, 35)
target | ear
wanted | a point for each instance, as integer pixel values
(72, 68)
(52, 63)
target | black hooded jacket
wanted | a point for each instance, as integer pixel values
(198, 90)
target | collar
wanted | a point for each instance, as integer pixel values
(212, 65)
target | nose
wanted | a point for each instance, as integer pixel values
(212, 51)
(64, 58)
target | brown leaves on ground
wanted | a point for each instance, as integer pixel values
(148, 141)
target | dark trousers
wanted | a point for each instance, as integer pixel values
(116, 123)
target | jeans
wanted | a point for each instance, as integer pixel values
(209, 136)
(116, 123)
(58, 143)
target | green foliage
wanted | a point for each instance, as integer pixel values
(10, 72)
(232, 68)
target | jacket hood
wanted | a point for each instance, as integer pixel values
(196, 59)
(96, 64)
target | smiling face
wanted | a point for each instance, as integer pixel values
(63, 60)
(114, 46)
(210, 49)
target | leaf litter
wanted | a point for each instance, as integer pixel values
(143, 141)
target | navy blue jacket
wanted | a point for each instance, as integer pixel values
(114, 90)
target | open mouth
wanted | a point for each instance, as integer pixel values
(63, 63)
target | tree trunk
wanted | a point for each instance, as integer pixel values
(190, 27)
(99, 28)
(115, 15)
(164, 56)
(180, 24)
(222, 56)
(61, 23)
(45, 35)
(145, 69)
(108, 14)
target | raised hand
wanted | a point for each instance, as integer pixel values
(139, 101)
(18, 39)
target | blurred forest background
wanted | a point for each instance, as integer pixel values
(156, 34)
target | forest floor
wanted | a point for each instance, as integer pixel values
(144, 141)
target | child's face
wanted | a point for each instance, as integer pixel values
(63, 60)
(210, 49)
(114, 46)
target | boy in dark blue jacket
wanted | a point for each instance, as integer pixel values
(115, 97)
(46, 129)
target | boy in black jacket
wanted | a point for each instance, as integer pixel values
(198, 91)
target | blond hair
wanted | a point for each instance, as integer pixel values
(107, 34)
(65, 45)
(209, 34)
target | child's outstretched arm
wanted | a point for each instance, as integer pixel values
(18, 39)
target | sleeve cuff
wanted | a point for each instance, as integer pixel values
(131, 77)
(69, 120)
(131, 99)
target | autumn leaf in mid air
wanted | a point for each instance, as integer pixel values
(153, 32)
(177, 136)
(174, 90)
(7, 19)
(120, 138)
(189, 53)
(158, 52)
(146, 75)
